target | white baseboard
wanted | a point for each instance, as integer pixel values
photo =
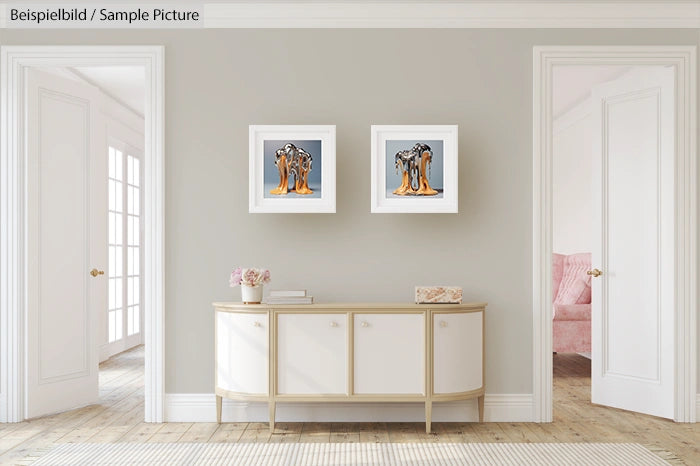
(697, 408)
(201, 407)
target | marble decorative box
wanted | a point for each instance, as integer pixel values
(439, 294)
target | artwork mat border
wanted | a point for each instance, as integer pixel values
(257, 202)
(414, 204)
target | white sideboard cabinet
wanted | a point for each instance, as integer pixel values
(349, 352)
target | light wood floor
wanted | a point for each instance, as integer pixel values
(119, 418)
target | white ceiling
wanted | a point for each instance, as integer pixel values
(124, 83)
(572, 84)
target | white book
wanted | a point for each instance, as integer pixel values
(289, 300)
(288, 293)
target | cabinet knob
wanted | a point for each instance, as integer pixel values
(365, 323)
(256, 324)
(443, 323)
(334, 324)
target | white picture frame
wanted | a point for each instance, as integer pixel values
(320, 142)
(385, 140)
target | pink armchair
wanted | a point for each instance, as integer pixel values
(571, 288)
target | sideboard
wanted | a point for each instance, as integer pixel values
(349, 352)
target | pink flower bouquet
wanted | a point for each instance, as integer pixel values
(249, 276)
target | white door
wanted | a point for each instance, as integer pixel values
(66, 237)
(311, 354)
(389, 353)
(633, 244)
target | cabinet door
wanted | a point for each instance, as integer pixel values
(311, 354)
(457, 352)
(242, 344)
(389, 352)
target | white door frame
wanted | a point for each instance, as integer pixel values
(13, 216)
(683, 58)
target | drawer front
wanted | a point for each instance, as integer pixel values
(389, 354)
(242, 349)
(457, 352)
(312, 354)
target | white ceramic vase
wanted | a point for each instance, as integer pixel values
(251, 294)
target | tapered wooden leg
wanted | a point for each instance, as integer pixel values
(481, 408)
(218, 409)
(428, 415)
(271, 405)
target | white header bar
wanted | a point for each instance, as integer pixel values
(358, 14)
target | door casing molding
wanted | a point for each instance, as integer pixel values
(14, 60)
(683, 58)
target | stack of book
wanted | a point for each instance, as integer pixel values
(288, 297)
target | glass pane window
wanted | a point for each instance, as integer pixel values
(119, 166)
(136, 178)
(111, 162)
(114, 237)
(133, 226)
(124, 239)
(133, 200)
(118, 197)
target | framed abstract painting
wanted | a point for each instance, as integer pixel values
(291, 169)
(414, 169)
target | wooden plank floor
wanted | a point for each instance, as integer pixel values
(119, 418)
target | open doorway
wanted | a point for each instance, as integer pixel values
(131, 229)
(85, 143)
(613, 241)
(643, 271)
(572, 226)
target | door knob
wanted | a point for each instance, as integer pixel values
(595, 273)
(95, 272)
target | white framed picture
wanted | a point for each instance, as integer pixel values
(414, 169)
(291, 169)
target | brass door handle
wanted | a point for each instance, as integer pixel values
(95, 272)
(595, 273)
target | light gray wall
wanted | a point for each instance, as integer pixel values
(220, 81)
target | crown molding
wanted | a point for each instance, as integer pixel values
(463, 14)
